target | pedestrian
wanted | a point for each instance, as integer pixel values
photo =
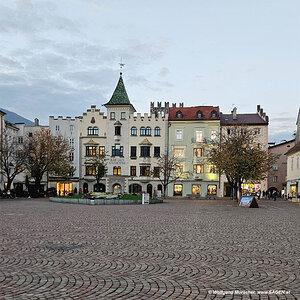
(274, 195)
(8, 194)
(258, 194)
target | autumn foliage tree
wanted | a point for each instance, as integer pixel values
(98, 164)
(167, 172)
(240, 158)
(12, 157)
(47, 154)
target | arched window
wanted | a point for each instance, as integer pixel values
(179, 114)
(133, 131)
(213, 114)
(117, 171)
(148, 131)
(142, 131)
(90, 130)
(118, 130)
(157, 131)
(199, 114)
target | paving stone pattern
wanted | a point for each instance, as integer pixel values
(182, 249)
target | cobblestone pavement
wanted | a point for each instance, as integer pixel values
(182, 249)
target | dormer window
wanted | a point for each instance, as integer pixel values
(179, 114)
(213, 114)
(199, 114)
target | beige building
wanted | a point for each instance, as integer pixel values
(258, 122)
(293, 167)
(277, 175)
(92, 142)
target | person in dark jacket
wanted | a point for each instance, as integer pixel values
(274, 195)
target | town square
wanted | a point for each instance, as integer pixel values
(149, 149)
(181, 249)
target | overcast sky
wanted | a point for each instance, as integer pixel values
(59, 57)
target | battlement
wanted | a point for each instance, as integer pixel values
(159, 116)
(159, 109)
(61, 118)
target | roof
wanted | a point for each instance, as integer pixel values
(247, 119)
(281, 143)
(119, 96)
(294, 149)
(190, 113)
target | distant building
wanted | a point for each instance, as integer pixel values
(293, 166)
(258, 122)
(277, 175)
(190, 128)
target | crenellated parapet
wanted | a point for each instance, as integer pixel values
(154, 117)
(159, 108)
(262, 114)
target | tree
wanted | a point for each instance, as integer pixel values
(47, 154)
(98, 164)
(240, 158)
(12, 157)
(167, 171)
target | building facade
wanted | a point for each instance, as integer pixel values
(277, 175)
(293, 166)
(190, 131)
(258, 123)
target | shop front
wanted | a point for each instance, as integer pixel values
(64, 188)
(250, 188)
(293, 191)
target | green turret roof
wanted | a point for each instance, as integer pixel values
(119, 96)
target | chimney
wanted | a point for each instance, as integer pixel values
(258, 108)
(234, 117)
(36, 122)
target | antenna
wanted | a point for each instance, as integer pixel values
(121, 65)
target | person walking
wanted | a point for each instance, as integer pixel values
(274, 195)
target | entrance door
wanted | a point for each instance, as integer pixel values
(149, 189)
(196, 189)
(99, 188)
(85, 188)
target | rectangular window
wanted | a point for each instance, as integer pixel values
(257, 131)
(133, 171)
(144, 170)
(212, 169)
(133, 152)
(71, 128)
(20, 140)
(213, 135)
(117, 171)
(156, 171)
(275, 167)
(275, 178)
(198, 169)
(101, 150)
(178, 189)
(292, 164)
(145, 151)
(179, 134)
(71, 156)
(112, 115)
(117, 150)
(91, 150)
(57, 127)
(30, 134)
(196, 189)
(89, 170)
(198, 152)
(178, 152)
(156, 151)
(229, 131)
(179, 168)
(71, 143)
(123, 115)
(212, 189)
(198, 135)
